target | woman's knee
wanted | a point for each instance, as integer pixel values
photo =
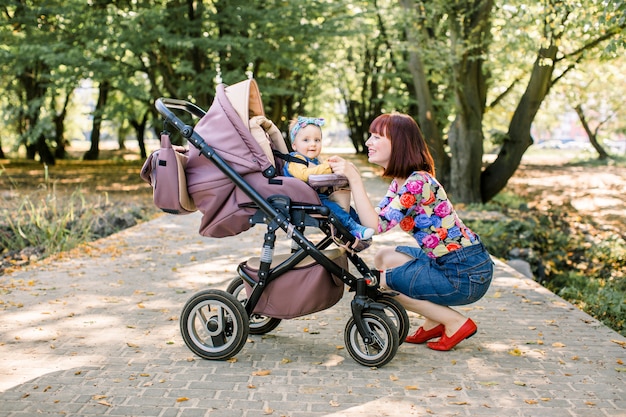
(387, 258)
(380, 258)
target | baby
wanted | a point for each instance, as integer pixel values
(306, 140)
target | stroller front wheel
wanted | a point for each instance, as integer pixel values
(397, 313)
(214, 325)
(384, 344)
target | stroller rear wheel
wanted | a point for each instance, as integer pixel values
(397, 313)
(384, 345)
(259, 324)
(214, 325)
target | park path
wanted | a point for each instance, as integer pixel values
(94, 332)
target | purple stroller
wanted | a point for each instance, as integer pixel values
(235, 181)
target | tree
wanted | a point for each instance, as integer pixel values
(565, 34)
(567, 37)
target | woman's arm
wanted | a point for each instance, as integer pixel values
(362, 204)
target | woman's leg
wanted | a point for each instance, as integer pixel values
(435, 314)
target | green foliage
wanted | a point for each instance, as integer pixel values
(584, 267)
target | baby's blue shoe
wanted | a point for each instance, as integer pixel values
(362, 232)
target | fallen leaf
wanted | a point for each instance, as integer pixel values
(263, 372)
(267, 410)
(333, 403)
(393, 377)
(132, 345)
(520, 383)
(489, 383)
(620, 369)
(285, 360)
(181, 399)
(619, 342)
(411, 388)
(104, 403)
(459, 402)
(515, 352)
(558, 345)
(531, 401)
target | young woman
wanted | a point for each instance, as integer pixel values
(449, 266)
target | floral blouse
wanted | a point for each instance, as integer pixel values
(422, 209)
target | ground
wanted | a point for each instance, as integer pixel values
(597, 191)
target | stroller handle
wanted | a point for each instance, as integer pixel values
(166, 105)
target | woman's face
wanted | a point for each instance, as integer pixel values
(378, 149)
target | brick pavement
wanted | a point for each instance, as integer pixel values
(95, 333)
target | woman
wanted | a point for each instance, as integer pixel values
(449, 266)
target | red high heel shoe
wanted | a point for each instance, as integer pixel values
(467, 330)
(423, 336)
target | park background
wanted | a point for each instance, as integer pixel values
(506, 92)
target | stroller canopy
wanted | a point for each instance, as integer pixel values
(226, 128)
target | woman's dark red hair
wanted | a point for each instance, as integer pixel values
(409, 151)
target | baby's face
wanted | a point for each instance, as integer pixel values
(308, 141)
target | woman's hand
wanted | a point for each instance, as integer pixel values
(342, 167)
(363, 206)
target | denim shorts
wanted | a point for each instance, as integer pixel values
(456, 278)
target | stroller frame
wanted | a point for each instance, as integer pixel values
(379, 324)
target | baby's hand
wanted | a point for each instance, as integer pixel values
(335, 162)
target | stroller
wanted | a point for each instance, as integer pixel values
(236, 182)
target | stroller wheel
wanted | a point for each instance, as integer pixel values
(259, 324)
(397, 313)
(214, 325)
(384, 344)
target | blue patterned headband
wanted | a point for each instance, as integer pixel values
(303, 122)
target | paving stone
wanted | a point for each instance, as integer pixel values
(96, 333)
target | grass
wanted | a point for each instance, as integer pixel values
(44, 212)
(567, 253)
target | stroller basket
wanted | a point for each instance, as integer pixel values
(215, 324)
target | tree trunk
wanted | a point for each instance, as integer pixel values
(496, 176)
(140, 129)
(470, 30)
(593, 136)
(59, 129)
(94, 151)
(45, 154)
(426, 111)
